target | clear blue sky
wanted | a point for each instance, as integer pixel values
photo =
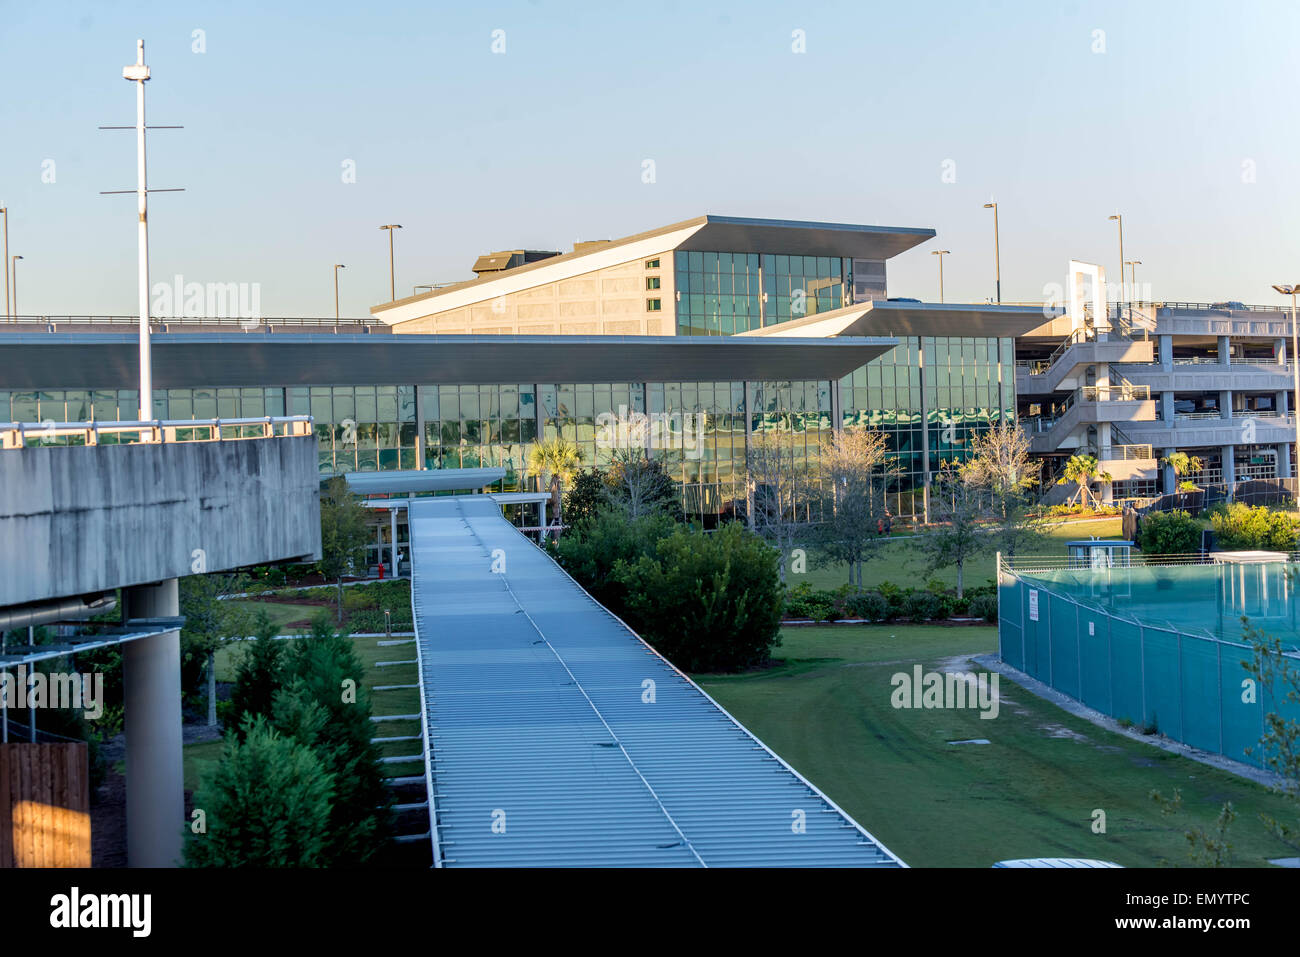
(543, 145)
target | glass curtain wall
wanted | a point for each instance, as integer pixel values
(721, 294)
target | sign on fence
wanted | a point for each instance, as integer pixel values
(1033, 604)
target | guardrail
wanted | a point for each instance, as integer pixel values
(1132, 559)
(191, 321)
(1127, 453)
(1121, 393)
(17, 435)
(1206, 306)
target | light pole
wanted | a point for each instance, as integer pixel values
(997, 247)
(14, 261)
(1120, 219)
(337, 267)
(1133, 285)
(1294, 357)
(5, 211)
(138, 73)
(392, 287)
(940, 253)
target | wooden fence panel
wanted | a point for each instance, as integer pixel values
(44, 805)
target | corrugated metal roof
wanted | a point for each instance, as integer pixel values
(545, 750)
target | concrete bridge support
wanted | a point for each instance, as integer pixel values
(155, 781)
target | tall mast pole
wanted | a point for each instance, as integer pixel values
(138, 73)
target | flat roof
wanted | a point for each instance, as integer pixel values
(405, 481)
(719, 234)
(905, 318)
(185, 360)
(544, 748)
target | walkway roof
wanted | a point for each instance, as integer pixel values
(405, 481)
(560, 738)
(185, 360)
(906, 318)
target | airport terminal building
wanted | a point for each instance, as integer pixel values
(717, 327)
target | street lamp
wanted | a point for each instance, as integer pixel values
(392, 288)
(940, 253)
(14, 260)
(1133, 275)
(1295, 354)
(1120, 219)
(997, 247)
(337, 267)
(5, 211)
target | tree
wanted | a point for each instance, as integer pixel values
(958, 504)
(780, 487)
(1169, 533)
(594, 550)
(855, 478)
(267, 804)
(1001, 466)
(586, 496)
(556, 461)
(707, 601)
(324, 705)
(639, 485)
(1082, 470)
(1184, 465)
(209, 618)
(343, 533)
(260, 672)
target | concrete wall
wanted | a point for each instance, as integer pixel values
(607, 302)
(82, 519)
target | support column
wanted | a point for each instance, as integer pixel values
(1167, 352)
(1225, 350)
(1167, 473)
(1227, 458)
(155, 781)
(1167, 407)
(1283, 461)
(392, 524)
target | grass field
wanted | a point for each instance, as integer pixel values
(1030, 792)
(899, 561)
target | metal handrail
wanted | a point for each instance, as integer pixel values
(16, 435)
(196, 320)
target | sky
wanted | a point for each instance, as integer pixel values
(481, 127)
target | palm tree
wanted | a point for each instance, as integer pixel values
(1082, 471)
(559, 459)
(1184, 464)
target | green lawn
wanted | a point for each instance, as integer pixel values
(899, 562)
(1031, 792)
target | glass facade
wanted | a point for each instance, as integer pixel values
(720, 294)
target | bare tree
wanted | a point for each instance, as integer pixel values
(781, 488)
(639, 485)
(959, 505)
(855, 478)
(1002, 468)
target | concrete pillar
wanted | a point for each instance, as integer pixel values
(1166, 352)
(1229, 464)
(1225, 350)
(155, 781)
(541, 521)
(1225, 403)
(1283, 461)
(1279, 351)
(1281, 401)
(1167, 473)
(1167, 407)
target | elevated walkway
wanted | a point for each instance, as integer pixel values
(558, 737)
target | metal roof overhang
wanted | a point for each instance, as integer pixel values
(421, 480)
(912, 319)
(796, 238)
(180, 360)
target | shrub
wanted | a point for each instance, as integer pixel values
(984, 606)
(870, 605)
(803, 601)
(707, 602)
(267, 804)
(922, 605)
(1238, 526)
(592, 552)
(258, 675)
(1169, 533)
(371, 620)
